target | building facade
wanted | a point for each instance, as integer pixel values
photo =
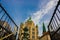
(32, 30)
(46, 36)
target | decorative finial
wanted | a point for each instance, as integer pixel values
(29, 19)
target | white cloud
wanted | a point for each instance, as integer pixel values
(45, 9)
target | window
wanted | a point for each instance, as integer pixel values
(33, 32)
(33, 29)
(33, 37)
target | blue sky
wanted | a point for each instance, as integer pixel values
(40, 10)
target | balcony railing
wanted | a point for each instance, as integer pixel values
(7, 24)
(54, 24)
